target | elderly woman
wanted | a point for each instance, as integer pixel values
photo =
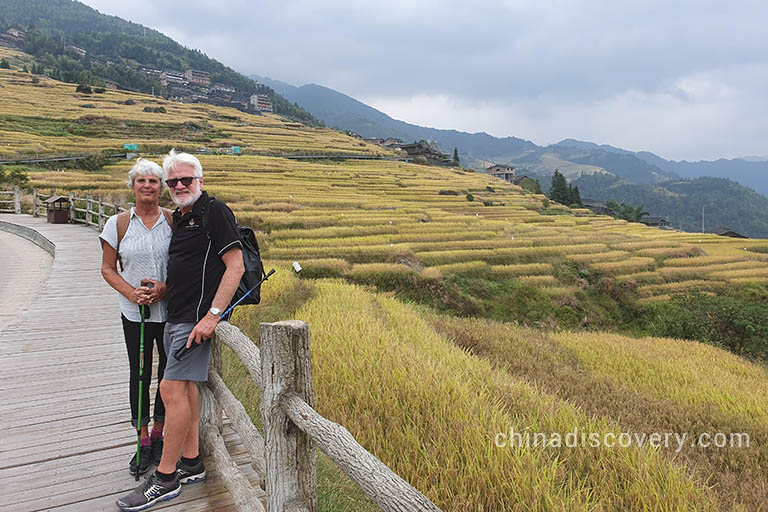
(138, 239)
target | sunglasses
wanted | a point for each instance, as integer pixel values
(186, 181)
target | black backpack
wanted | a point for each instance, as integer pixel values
(254, 268)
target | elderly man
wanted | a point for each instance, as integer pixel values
(205, 265)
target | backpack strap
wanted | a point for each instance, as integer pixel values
(123, 219)
(168, 216)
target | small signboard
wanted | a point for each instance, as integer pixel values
(131, 146)
(236, 150)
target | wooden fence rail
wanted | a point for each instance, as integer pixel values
(10, 201)
(284, 458)
(82, 210)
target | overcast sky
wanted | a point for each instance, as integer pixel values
(685, 79)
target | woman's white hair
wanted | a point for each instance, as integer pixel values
(173, 159)
(144, 167)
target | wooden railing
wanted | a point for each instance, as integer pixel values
(82, 210)
(92, 212)
(285, 460)
(10, 201)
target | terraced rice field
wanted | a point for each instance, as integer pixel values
(361, 212)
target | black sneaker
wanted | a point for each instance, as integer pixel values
(190, 474)
(144, 462)
(157, 450)
(151, 491)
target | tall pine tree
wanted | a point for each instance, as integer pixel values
(559, 191)
(574, 196)
(456, 156)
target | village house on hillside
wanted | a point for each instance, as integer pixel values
(505, 172)
(12, 38)
(659, 222)
(427, 151)
(77, 50)
(728, 232)
(596, 206)
(196, 77)
(518, 179)
(168, 78)
(389, 142)
(261, 102)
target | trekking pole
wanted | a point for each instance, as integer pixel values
(141, 392)
(181, 352)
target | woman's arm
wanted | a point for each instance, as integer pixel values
(109, 272)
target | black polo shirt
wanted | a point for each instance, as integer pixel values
(195, 267)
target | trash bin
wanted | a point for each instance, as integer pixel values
(58, 209)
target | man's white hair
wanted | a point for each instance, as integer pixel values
(173, 159)
(144, 167)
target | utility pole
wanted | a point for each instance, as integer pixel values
(702, 218)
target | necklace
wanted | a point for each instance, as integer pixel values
(151, 222)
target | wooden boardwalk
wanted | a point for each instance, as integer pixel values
(65, 433)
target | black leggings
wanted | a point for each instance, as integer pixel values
(153, 332)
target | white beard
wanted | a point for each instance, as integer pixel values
(183, 203)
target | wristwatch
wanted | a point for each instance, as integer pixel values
(215, 311)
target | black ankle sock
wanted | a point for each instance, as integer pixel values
(190, 462)
(164, 477)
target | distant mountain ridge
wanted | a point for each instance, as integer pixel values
(341, 111)
(479, 150)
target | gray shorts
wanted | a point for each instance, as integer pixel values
(194, 365)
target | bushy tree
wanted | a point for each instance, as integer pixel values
(732, 323)
(13, 177)
(4, 64)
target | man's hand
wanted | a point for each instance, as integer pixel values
(203, 330)
(157, 292)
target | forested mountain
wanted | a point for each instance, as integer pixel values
(115, 48)
(751, 172)
(725, 202)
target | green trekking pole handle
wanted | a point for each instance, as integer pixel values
(141, 392)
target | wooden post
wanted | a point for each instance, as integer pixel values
(72, 207)
(88, 216)
(16, 200)
(216, 366)
(286, 368)
(35, 203)
(101, 214)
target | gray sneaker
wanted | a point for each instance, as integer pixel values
(190, 474)
(151, 491)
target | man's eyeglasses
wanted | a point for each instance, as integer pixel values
(186, 181)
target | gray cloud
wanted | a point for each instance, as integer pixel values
(577, 68)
